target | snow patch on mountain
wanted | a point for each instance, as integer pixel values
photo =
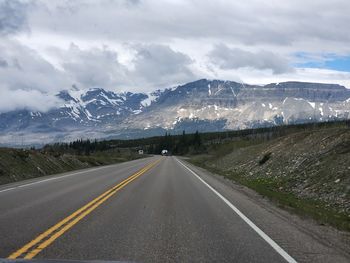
(151, 98)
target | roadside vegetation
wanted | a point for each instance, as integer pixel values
(306, 171)
(20, 164)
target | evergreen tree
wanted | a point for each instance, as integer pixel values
(197, 142)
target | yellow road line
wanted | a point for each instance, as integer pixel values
(64, 221)
(31, 249)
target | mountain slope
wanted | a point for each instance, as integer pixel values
(78, 110)
(245, 106)
(306, 170)
(204, 105)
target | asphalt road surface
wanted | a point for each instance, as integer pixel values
(157, 209)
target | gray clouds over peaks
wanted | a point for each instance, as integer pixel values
(160, 65)
(235, 58)
(153, 65)
(27, 78)
(13, 16)
(97, 67)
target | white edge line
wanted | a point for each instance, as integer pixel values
(50, 179)
(261, 233)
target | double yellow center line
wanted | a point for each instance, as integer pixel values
(35, 246)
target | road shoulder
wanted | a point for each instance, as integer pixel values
(303, 238)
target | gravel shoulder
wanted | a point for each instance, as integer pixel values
(305, 238)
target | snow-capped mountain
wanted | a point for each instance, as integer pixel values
(205, 105)
(233, 105)
(98, 106)
(78, 110)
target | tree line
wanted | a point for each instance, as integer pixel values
(178, 144)
(184, 143)
(79, 147)
(175, 144)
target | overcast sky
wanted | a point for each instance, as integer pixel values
(143, 45)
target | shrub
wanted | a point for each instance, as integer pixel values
(265, 158)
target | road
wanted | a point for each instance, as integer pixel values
(157, 209)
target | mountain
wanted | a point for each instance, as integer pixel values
(204, 105)
(94, 108)
(232, 105)
(80, 114)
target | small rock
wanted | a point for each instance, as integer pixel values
(337, 181)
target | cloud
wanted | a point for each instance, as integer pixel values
(234, 58)
(314, 24)
(151, 66)
(13, 16)
(26, 69)
(26, 79)
(159, 65)
(3, 63)
(34, 100)
(97, 67)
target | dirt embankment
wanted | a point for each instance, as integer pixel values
(307, 171)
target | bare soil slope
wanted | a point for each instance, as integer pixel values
(307, 171)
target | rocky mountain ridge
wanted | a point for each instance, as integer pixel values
(205, 105)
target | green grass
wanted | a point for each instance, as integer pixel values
(304, 207)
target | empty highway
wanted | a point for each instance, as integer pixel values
(157, 209)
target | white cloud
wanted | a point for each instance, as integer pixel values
(26, 99)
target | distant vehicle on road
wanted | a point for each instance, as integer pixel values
(140, 151)
(164, 152)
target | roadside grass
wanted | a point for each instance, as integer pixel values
(303, 207)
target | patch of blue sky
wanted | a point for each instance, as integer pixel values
(329, 61)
